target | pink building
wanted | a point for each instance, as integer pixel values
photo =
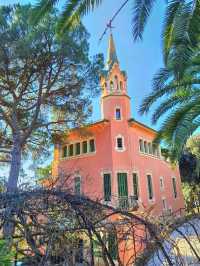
(114, 160)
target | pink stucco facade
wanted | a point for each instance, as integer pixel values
(108, 158)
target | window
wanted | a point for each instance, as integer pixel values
(78, 148)
(116, 83)
(150, 187)
(84, 146)
(161, 183)
(118, 114)
(164, 204)
(121, 85)
(112, 244)
(64, 152)
(145, 147)
(77, 185)
(111, 86)
(150, 148)
(141, 145)
(174, 187)
(135, 186)
(119, 143)
(107, 187)
(154, 150)
(92, 145)
(71, 150)
(122, 190)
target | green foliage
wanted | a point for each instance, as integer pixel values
(46, 83)
(191, 193)
(43, 172)
(6, 256)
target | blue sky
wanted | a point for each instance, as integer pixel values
(140, 59)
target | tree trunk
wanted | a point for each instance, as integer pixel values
(8, 228)
(15, 166)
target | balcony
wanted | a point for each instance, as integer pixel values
(128, 203)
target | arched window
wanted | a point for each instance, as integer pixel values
(121, 85)
(116, 83)
(111, 86)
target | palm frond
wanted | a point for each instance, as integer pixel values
(141, 12)
(168, 26)
(41, 9)
(180, 124)
(73, 11)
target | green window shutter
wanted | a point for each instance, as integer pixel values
(174, 187)
(64, 152)
(78, 148)
(92, 145)
(122, 190)
(112, 245)
(150, 187)
(77, 185)
(71, 150)
(107, 187)
(84, 146)
(135, 186)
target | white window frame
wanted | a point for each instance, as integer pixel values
(121, 118)
(163, 186)
(139, 189)
(147, 187)
(164, 200)
(123, 144)
(80, 183)
(111, 183)
(174, 177)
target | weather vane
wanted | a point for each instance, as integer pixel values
(109, 24)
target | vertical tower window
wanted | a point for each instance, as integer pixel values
(135, 186)
(174, 187)
(121, 85)
(107, 187)
(116, 83)
(150, 187)
(118, 114)
(119, 143)
(92, 145)
(71, 150)
(64, 152)
(77, 185)
(78, 148)
(111, 86)
(141, 145)
(84, 144)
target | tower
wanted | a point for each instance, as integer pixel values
(115, 102)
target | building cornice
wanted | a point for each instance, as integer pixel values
(133, 121)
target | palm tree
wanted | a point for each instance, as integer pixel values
(176, 88)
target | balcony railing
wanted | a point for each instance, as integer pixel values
(128, 203)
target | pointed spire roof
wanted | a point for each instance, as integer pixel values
(112, 55)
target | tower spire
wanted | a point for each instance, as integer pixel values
(112, 55)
